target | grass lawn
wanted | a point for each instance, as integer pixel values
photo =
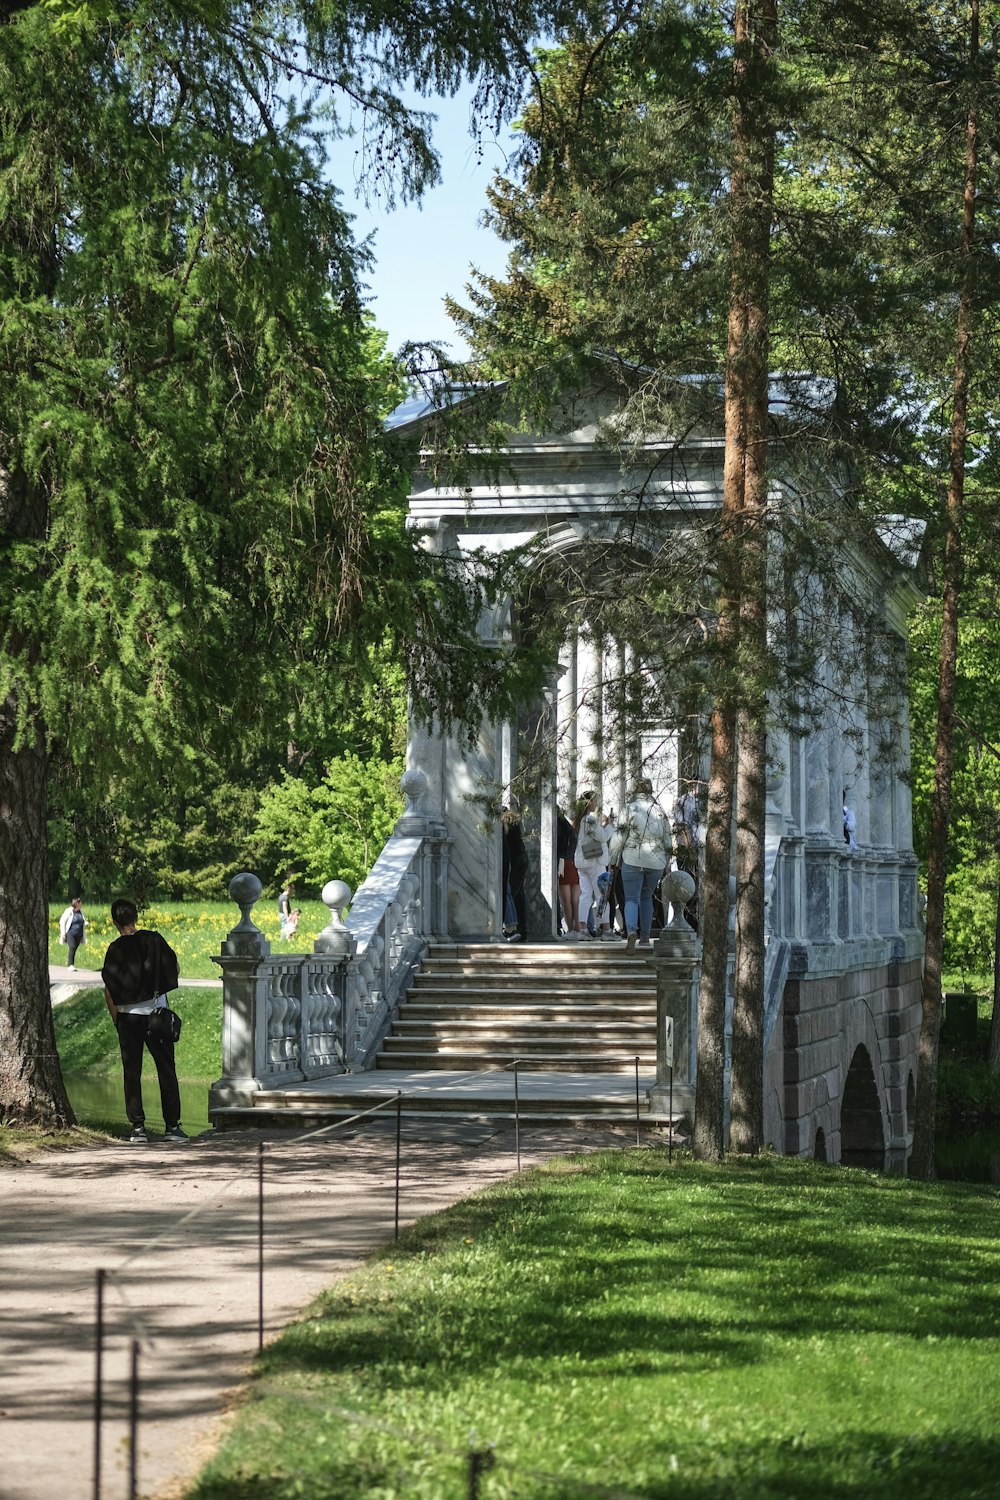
(194, 929)
(86, 1040)
(615, 1325)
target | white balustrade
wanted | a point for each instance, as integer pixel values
(292, 1016)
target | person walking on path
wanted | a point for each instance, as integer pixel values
(139, 968)
(72, 929)
(643, 841)
(285, 907)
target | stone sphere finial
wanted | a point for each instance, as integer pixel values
(245, 890)
(678, 887)
(246, 940)
(335, 940)
(413, 784)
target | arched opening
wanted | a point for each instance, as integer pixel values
(820, 1152)
(862, 1136)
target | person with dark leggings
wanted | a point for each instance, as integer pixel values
(139, 969)
(72, 927)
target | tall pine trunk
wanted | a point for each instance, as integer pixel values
(922, 1158)
(742, 608)
(754, 141)
(707, 1138)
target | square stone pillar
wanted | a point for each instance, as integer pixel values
(676, 958)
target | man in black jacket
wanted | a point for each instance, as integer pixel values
(139, 968)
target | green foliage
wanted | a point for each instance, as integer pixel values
(758, 1328)
(973, 878)
(334, 830)
(87, 1043)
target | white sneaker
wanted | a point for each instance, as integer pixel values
(72, 968)
(572, 937)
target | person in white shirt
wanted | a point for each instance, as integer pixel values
(591, 862)
(72, 929)
(642, 838)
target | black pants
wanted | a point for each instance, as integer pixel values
(73, 942)
(133, 1035)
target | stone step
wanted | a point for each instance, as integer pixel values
(499, 1017)
(529, 1016)
(598, 959)
(542, 1039)
(567, 979)
(546, 1001)
(452, 1059)
(312, 1113)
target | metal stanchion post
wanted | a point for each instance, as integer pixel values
(637, 1100)
(133, 1423)
(670, 1107)
(399, 1132)
(260, 1246)
(98, 1381)
(479, 1461)
(517, 1114)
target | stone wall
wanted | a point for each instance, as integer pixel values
(825, 1020)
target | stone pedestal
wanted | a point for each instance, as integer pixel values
(676, 958)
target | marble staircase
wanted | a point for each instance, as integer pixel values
(574, 1016)
(585, 1007)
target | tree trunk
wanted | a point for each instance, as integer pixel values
(31, 1085)
(922, 1158)
(994, 1048)
(753, 190)
(707, 1141)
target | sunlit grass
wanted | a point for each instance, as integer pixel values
(194, 929)
(759, 1329)
(87, 1042)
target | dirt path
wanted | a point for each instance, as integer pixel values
(176, 1230)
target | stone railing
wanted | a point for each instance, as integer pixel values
(292, 1017)
(400, 908)
(282, 1016)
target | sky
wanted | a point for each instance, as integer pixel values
(424, 252)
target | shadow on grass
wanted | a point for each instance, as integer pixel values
(706, 1270)
(859, 1466)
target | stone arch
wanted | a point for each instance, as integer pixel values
(819, 1152)
(862, 1132)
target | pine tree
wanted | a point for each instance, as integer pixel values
(190, 437)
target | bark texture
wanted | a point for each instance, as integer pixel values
(922, 1157)
(31, 1085)
(753, 191)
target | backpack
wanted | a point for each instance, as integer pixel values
(590, 845)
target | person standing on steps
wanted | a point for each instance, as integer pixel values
(72, 929)
(591, 863)
(569, 879)
(514, 874)
(139, 968)
(643, 841)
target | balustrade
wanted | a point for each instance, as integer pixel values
(292, 1017)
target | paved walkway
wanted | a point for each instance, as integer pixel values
(176, 1230)
(65, 982)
